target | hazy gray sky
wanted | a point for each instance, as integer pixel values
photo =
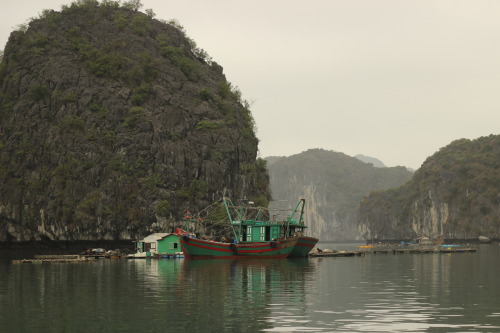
(391, 79)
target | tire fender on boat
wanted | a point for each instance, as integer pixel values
(272, 244)
(232, 246)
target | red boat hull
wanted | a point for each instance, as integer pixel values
(204, 249)
(303, 246)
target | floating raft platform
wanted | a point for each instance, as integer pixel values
(38, 259)
(392, 251)
(420, 251)
(335, 254)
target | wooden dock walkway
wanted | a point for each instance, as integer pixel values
(38, 259)
(391, 251)
(422, 251)
(335, 254)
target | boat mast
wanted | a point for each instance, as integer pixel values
(301, 221)
(228, 202)
(290, 217)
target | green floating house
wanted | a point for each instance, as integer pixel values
(158, 244)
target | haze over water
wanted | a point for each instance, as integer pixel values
(372, 293)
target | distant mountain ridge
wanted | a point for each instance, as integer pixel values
(333, 184)
(372, 160)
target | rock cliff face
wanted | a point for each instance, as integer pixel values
(113, 124)
(455, 193)
(333, 184)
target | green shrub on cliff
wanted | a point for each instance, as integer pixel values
(135, 114)
(209, 125)
(71, 124)
(39, 93)
(163, 208)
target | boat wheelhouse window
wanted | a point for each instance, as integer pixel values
(284, 231)
(248, 235)
(265, 233)
(268, 233)
(173, 246)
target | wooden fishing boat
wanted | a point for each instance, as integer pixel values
(255, 236)
(203, 249)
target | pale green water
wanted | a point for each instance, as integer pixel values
(372, 293)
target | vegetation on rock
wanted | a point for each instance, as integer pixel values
(455, 193)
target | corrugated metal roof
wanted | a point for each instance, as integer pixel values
(155, 237)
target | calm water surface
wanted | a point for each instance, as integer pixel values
(371, 293)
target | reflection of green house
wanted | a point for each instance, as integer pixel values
(159, 243)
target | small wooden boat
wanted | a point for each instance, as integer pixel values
(484, 239)
(138, 255)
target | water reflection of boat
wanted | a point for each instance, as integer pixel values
(217, 266)
(256, 236)
(241, 295)
(251, 275)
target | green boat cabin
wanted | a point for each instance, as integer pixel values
(266, 231)
(252, 224)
